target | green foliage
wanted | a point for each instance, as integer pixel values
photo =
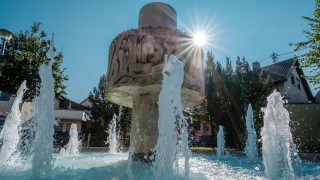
(312, 43)
(228, 94)
(102, 112)
(24, 54)
(124, 127)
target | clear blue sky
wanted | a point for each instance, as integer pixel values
(84, 29)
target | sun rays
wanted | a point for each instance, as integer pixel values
(200, 39)
(205, 32)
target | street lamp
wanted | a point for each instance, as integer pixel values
(285, 100)
(5, 37)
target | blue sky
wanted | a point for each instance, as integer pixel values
(84, 29)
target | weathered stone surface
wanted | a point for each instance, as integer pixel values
(136, 61)
(144, 123)
(157, 14)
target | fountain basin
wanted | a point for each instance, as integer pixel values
(108, 166)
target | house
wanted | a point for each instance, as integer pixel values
(66, 111)
(69, 112)
(303, 108)
(288, 79)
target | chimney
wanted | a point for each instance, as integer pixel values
(256, 66)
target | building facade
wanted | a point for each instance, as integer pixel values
(6, 103)
(288, 79)
(67, 112)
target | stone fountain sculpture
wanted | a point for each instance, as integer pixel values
(134, 79)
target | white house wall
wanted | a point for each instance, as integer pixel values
(295, 95)
(68, 114)
(86, 103)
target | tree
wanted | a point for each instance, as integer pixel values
(124, 127)
(24, 54)
(312, 57)
(229, 69)
(102, 112)
(228, 94)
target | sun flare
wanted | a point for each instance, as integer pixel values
(200, 39)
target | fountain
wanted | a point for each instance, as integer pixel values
(10, 133)
(220, 142)
(172, 125)
(277, 140)
(137, 80)
(136, 60)
(44, 121)
(251, 149)
(113, 135)
(72, 148)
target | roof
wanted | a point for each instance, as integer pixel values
(84, 100)
(281, 72)
(66, 103)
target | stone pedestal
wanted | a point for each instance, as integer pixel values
(144, 125)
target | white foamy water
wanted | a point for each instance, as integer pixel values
(277, 140)
(251, 148)
(220, 142)
(72, 148)
(108, 166)
(9, 135)
(113, 135)
(44, 121)
(172, 125)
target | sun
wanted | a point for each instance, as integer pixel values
(200, 39)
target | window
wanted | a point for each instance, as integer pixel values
(298, 84)
(4, 96)
(59, 127)
(1, 124)
(2, 118)
(68, 126)
(292, 80)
